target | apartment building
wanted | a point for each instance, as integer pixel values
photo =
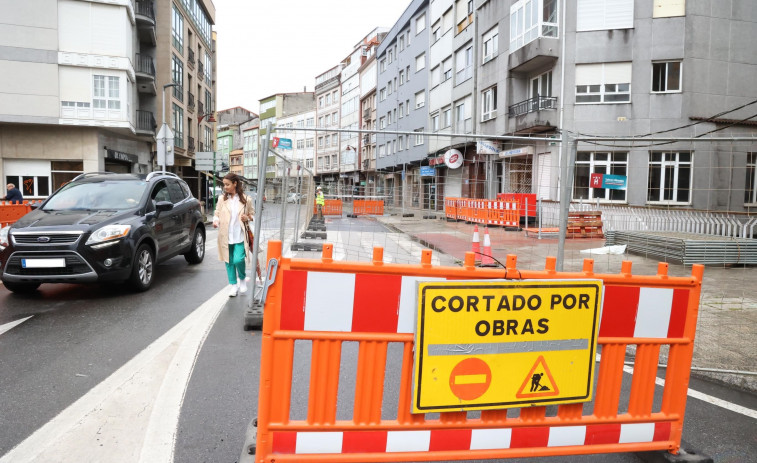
(638, 68)
(327, 92)
(302, 151)
(272, 109)
(367, 73)
(251, 148)
(401, 84)
(82, 81)
(451, 105)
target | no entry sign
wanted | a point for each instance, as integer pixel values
(489, 345)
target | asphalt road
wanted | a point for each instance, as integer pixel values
(80, 336)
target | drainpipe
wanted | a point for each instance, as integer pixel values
(562, 83)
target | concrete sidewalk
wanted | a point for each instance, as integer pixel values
(727, 324)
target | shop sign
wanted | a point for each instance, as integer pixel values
(517, 152)
(121, 156)
(453, 158)
(427, 171)
(487, 147)
(436, 161)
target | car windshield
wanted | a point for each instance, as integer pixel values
(108, 195)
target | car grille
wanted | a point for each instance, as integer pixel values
(55, 238)
(75, 265)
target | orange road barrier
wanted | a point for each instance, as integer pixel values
(483, 211)
(318, 307)
(476, 244)
(330, 207)
(450, 208)
(527, 202)
(368, 207)
(486, 257)
(9, 213)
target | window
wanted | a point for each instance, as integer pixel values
(382, 65)
(447, 117)
(447, 22)
(669, 177)
(603, 83)
(300, 144)
(447, 69)
(327, 141)
(177, 123)
(407, 74)
(402, 110)
(420, 62)
(541, 85)
(310, 122)
(208, 68)
(420, 24)
(389, 118)
(407, 107)
(531, 19)
(382, 122)
(106, 93)
(436, 76)
(588, 163)
(436, 32)
(490, 42)
(749, 190)
(390, 56)
(594, 15)
(32, 185)
(177, 76)
(177, 29)
(309, 143)
(320, 142)
(334, 118)
(489, 104)
(669, 8)
(320, 101)
(666, 77)
(62, 172)
(400, 142)
(418, 137)
(464, 64)
(402, 42)
(402, 77)
(420, 99)
(382, 94)
(328, 99)
(382, 151)
(389, 87)
(435, 122)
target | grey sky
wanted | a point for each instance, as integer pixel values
(281, 45)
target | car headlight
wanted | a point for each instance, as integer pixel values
(108, 234)
(4, 237)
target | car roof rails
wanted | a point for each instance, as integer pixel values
(161, 172)
(91, 174)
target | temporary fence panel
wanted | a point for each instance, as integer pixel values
(10, 212)
(331, 304)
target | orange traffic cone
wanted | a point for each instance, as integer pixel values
(476, 245)
(486, 257)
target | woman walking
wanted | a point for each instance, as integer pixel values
(234, 208)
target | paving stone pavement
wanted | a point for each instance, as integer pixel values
(727, 324)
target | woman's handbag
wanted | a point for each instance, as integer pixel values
(248, 233)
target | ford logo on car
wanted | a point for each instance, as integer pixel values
(43, 239)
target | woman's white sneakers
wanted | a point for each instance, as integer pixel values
(243, 285)
(233, 290)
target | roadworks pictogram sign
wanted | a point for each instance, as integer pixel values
(497, 344)
(539, 382)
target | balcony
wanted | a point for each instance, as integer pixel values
(190, 58)
(145, 17)
(367, 113)
(146, 124)
(191, 144)
(200, 70)
(190, 102)
(538, 54)
(144, 69)
(178, 93)
(534, 115)
(200, 108)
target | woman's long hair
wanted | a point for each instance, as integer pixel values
(234, 178)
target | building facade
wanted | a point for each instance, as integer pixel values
(402, 81)
(327, 91)
(367, 72)
(302, 151)
(251, 137)
(82, 83)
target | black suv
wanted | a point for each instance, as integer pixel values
(103, 227)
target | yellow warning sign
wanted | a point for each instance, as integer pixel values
(499, 344)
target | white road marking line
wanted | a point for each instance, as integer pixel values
(134, 413)
(701, 396)
(8, 326)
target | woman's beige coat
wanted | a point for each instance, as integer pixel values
(223, 212)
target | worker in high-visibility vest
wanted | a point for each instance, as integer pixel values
(320, 201)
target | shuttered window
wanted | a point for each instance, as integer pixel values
(594, 15)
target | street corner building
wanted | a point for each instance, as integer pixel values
(83, 84)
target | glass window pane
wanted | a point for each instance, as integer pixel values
(27, 186)
(601, 156)
(674, 76)
(653, 186)
(620, 157)
(583, 157)
(581, 182)
(43, 186)
(684, 157)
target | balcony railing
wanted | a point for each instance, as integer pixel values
(145, 8)
(532, 105)
(200, 108)
(190, 101)
(145, 65)
(202, 147)
(146, 121)
(191, 144)
(178, 93)
(190, 58)
(200, 70)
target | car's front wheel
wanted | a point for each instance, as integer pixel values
(196, 252)
(21, 288)
(143, 270)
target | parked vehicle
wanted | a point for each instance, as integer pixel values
(103, 227)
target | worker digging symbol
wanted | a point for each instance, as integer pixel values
(535, 386)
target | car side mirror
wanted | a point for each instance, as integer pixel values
(163, 206)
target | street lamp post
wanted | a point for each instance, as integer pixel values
(163, 118)
(349, 148)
